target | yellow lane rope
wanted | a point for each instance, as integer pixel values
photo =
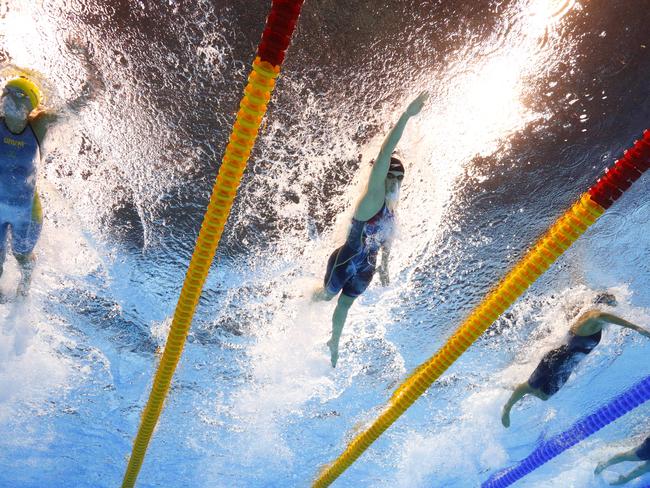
(544, 253)
(257, 94)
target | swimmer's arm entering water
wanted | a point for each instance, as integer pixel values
(375, 194)
(94, 82)
(43, 120)
(593, 321)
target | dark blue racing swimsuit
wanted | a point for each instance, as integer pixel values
(20, 209)
(351, 267)
(556, 366)
(643, 451)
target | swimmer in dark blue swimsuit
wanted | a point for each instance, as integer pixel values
(640, 453)
(23, 127)
(556, 366)
(351, 267)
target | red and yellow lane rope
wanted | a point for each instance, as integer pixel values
(564, 232)
(277, 34)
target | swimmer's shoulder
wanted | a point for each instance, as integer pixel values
(41, 122)
(588, 323)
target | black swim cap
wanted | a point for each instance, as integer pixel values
(605, 298)
(396, 165)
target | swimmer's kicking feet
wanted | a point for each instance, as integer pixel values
(638, 454)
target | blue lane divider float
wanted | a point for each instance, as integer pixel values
(619, 406)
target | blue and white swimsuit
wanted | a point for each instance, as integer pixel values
(20, 209)
(351, 267)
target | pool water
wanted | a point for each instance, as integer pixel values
(530, 100)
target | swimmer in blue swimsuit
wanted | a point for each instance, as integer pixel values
(23, 128)
(556, 366)
(351, 267)
(21, 216)
(638, 454)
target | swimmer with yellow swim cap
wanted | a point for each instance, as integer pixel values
(23, 128)
(20, 208)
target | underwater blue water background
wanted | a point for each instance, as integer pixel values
(530, 101)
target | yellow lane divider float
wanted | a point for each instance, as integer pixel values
(280, 25)
(559, 237)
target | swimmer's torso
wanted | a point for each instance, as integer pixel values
(351, 267)
(556, 365)
(19, 155)
(367, 237)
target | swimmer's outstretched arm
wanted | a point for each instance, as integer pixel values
(94, 82)
(521, 391)
(42, 121)
(613, 319)
(375, 193)
(641, 470)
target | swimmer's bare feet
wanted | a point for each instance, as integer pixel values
(334, 352)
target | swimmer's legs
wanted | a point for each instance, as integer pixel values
(26, 262)
(521, 391)
(639, 471)
(619, 458)
(338, 321)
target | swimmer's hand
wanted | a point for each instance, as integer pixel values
(77, 46)
(94, 82)
(601, 466)
(417, 104)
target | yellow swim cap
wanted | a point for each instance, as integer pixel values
(28, 87)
